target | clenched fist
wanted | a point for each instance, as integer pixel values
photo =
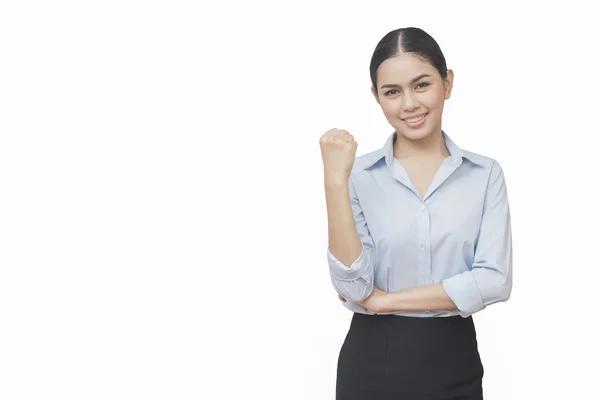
(338, 150)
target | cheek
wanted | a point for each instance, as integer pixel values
(434, 100)
(390, 109)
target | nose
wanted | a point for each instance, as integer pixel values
(409, 102)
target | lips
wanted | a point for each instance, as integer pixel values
(416, 121)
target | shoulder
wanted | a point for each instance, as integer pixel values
(493, 174)
(479, 159)
(487, 162)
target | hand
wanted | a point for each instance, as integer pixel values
(338, 150)
(377, 301)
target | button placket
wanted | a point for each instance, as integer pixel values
(423, 239)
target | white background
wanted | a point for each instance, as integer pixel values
(162, 213)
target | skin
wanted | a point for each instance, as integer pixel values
(405, 99)
(338, 149)
(420, 150)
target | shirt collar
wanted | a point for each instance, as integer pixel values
(387, 152)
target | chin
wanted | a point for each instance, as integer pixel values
(414, 134)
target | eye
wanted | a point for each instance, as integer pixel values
(422, 85)
(390, 91)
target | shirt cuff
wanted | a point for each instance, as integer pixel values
(357, 308)
(359, 267)
(463, 291)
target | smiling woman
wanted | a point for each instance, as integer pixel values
(419, 237)
(411, 83)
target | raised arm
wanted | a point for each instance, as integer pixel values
(348, 252)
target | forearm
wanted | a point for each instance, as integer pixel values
(344, 242)
(420, 298)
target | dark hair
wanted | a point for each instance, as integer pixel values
(408, 40)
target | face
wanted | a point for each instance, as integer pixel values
(411, 94)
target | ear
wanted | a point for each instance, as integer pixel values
(374, 94)
(448, 84)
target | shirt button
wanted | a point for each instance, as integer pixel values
(423, 247)
(422, 208)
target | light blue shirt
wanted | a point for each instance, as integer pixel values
(458, 234)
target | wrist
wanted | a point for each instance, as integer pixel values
(388, 303)
(392, 301)
(336, 179)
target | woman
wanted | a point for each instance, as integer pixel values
(419, 237)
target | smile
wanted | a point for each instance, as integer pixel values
(415, 122)
(415, 119)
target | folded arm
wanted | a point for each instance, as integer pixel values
(489, 280)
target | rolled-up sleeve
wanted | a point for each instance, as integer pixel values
(355, 282)
(489, 280)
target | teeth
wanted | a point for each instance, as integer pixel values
(413, 120)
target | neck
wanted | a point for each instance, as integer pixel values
(431, 146)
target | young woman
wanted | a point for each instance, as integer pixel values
(419, 237)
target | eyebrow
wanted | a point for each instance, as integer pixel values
(391, 85)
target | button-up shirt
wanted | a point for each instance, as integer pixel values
(457, 234)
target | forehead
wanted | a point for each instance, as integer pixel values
(402, 68)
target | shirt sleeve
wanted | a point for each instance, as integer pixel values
(355, 283)
(489, 280)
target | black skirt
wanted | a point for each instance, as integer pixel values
(391, 357)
